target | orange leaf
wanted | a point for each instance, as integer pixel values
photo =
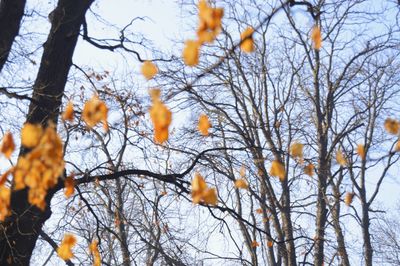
(241, 183)
(191, 53)
(340, 158)
(278, 170)
(68, 114)
(64, 251)
(31, 134)
(69, 185)
(296, 150)
(309, 170)
(7, 146)
(361, 151)
(348, 198)
(161, 117)
(204, 125)
(94, 250)
(255, 244)
(392, 126)
(316, 37)
(247, 42)
(94, 112)
(149, 70)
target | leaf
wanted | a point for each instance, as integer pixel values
(94, 250)
(68, 114)
(278, 170)
(348, 198)
(204, 125)
(255, 244)
(341, 160)
(149, 70)
(64, 251)
(296, 150)
(247, 42)
(392, 126)
(309, 169)
(94, 112)
(201, 192)
(316, 37)
(210, 22)
(7, 146)
(69, 185)
(161, 117)
(361, 151)
(241, 183)
(191, 52)
(31, 135)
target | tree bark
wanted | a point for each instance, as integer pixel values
(19, 232)
(11, 13)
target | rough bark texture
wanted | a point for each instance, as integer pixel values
(11, 13)
(20, 231)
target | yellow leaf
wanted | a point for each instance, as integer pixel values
(316, 37)
(69, 185)
(68, 114)
(7, 145)
(278, 170)
(340, 158)
(94, 112)
(361, 151)
(247, 42)
(392, 126)
(204, 125)
(241, 183)
(149, 70)
(309, 169)
(259, 211)
(64, 251)
(191, 53)
(31, 134)
(94, 250)
(296, 150)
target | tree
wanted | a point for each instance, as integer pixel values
(298, 111)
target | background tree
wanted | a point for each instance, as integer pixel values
(297, 134)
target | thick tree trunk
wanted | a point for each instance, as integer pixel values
(11, 13)
(18, 234)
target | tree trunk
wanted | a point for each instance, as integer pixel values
(11, 13)
(20, 231)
